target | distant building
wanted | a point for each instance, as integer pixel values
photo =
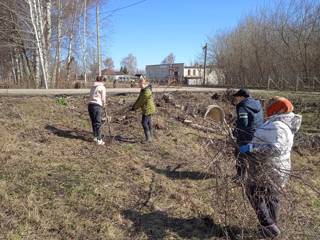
(178, 73)
(111, 75)
(194, 75)
(165, 73)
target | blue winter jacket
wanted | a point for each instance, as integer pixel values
(249, 118)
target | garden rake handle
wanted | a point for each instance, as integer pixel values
(108, 121)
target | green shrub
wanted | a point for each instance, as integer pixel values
(62, 101)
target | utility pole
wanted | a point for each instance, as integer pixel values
(98, 38)
(205, 48)
(84, 47)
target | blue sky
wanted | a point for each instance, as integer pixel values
(154, 28)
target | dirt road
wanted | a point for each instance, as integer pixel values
(45, 92)
(114, 91)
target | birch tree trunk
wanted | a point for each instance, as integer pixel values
(69, 59)
(36, 20)
(14, 69)
(98, 37)
(42, 42)
(20, 69)
(84, 47)
(56, 68)
(36, 69)
(47, 35)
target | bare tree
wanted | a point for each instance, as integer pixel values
(31, 30)
(84, 40)
(75, 11)
(109, 63)
(37, 20)
(98, 36)
(57, 63)
(92, 60)
(280, 42)
(170, 59)
(130, 63)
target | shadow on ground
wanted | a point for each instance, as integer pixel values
(174, 174)
(156, 225)
(71, 134)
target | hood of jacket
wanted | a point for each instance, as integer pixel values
(252, 104)
(147, 87)
(96, 84)
(292, 120)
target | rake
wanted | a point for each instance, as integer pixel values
(107, 120)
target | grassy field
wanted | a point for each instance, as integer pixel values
(56, 184)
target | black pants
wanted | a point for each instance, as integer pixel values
(95, 112)
(240, 163)
(146, 124)
(265, 202)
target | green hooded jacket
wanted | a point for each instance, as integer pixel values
(145, 102)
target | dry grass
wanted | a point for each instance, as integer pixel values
(56, 184)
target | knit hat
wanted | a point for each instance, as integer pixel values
(279, 105)
(242, 93)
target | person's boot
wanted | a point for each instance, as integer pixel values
(148, 136)
(100, 142)
(153, 136)
(271, 231)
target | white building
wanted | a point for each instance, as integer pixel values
(194, 75)
(190, 75)
(111, 75)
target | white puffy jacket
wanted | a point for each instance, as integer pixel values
(98, 94)
(272, 143)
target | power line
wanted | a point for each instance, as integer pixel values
(111, 12)
(127, 6)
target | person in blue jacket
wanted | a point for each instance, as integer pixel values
(249, 118)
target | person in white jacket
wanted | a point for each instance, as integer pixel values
(97, 102)
(269, 163)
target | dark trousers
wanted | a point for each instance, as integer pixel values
(265, 202)
(146, 124)
(240, 163)
(95, 112)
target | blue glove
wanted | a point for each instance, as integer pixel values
(246, 148)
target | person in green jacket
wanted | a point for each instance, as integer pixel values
(146, 103)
